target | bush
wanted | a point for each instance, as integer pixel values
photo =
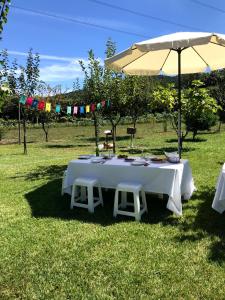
(199, 109)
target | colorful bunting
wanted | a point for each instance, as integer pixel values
(41, 105)
(75, 110)
(29, 101)
(87, 108)
(22, 99)
(57, 108)
(92, 107)
(82, 110)
(69, 109)
(99, 106)
(108, 103)
(34, 104)
(48, 107)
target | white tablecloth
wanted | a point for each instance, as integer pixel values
(219, 199)
(174, 180)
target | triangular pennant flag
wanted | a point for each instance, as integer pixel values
(108, 103)
(75, 110)
(22, 99)
(82, 110)
(99, 106)
(48, 107)
(92, 107)
(69, 110)
(87, 108)
(35, 103)
(103, 103)
(41, 105)
(29, 101)
(57, 108)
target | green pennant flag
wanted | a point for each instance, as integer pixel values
(99, 106)
(22, 99)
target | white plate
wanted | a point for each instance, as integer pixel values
(84, 156)
(138, 163)
(97, 160)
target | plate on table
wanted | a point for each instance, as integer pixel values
(84, 156)
(129, 159)
(139, 162)
(158, 160)
(122, 156)
(97, 160)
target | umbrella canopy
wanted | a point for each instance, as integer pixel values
(172, 54)
(200, 51)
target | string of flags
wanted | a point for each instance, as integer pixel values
(70, 110)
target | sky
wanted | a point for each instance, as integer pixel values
(61, 33)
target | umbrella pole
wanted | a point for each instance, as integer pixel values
(179, 102)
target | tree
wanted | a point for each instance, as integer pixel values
(215, 81)
(113, 93)
(4, 10)
(93, 88)
(45, 90)
(199, 108)
(22, 81)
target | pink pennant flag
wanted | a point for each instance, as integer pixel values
(75, 110)
(29, 101)
(103, 103)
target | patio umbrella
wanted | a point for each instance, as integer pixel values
(172, 54)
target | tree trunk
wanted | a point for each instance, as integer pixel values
(96, 133)
(24, 136)
(194, 135)
(114, 138)
(219, 128)
(19, 123)
(165, 124)
(45, 131)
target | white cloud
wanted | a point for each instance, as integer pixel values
(68, 69)
(46, 57)
(58, 72)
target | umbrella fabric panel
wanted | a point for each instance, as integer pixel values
(175, 41)
(191, 62)
(148, 64)
(213, 54)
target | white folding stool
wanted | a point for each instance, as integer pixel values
(79, 195)
(135, 189)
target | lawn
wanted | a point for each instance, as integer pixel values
(50, 252)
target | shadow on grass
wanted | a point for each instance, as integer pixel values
(43, 172)
(46, 202)
(102, 138)
(206, 223)
(188, 140)
(58, 146)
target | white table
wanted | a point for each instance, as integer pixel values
(174, 180)
(219, 199)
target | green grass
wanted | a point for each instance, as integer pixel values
(50, 252)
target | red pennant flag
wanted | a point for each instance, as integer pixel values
(92, 107)
(41, 105)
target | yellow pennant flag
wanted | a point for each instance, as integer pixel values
(48, 107)
(87, 108)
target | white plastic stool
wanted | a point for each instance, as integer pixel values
(79, 195)
(63, 182)
(139, 209)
